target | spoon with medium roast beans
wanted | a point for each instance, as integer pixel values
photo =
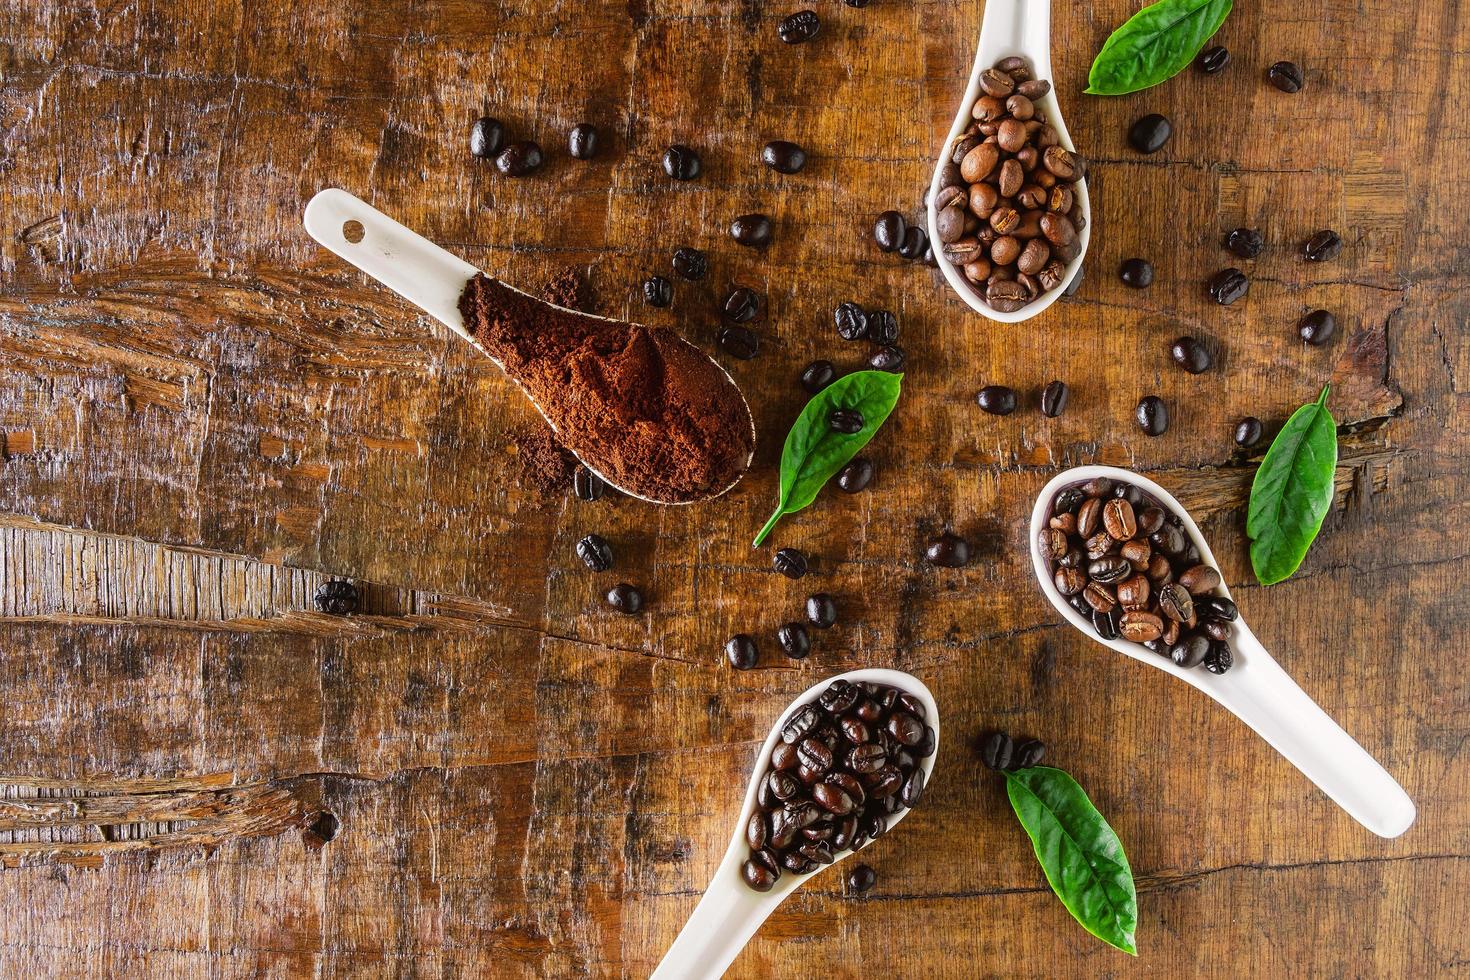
(1123, 562)
(841, 767)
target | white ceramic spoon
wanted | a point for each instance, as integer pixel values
(1010, 27)
(730, 911)
(432, 279)
(1255, 689)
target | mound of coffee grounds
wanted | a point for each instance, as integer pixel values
(643, 406)
(545, 466)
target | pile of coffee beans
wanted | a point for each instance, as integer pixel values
(1126, 563)
(1007, 212)
(845, 763)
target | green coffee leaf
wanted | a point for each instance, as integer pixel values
(1155, 44)
(1292, 492)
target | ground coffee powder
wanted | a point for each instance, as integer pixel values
(639, 404)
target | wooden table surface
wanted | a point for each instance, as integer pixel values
(205, 415)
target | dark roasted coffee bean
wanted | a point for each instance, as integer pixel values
(907, 729)
(790, 562)
(913, 788)
(1322, 246)
(997, 399)
(882, 327)
(840, 696)
(996, 750)
(1317, 327)
(783, 156)
(1152, 415)
(915, 240)
(758, 876)
(847, 421)
(336, 597)
(1105, 623)
(1100, 545)
(690, 263)
(821, 610)
(1212, 59)
(1191, 355)
(888, 230)
(800, 26)
(1248, 432)
(1109, 570)
(625, 598)
(855, 731)
(1054, 399)
(861, 878)
(1286, 76)
(595, 553)
(1138, 273)
(1190, 651)
(658, 291)
(1217, 629)
(1068, 500)
(1176, 603)
(1169, 540)
(739, 342)
(852, 322)
(833, 799)
(751, 230)
(1028, 754)
(681, 163)
(520, 159)
(794, 640)
(797, 864)
(1070, 581)
(741, 651)
(1199, 579)
(814, 754)
(868, 757)
(1149, 134)
(1216, 607)
(887, 358)
(486, 137)
(1245, 242)
(582, 144)
(1219, 659)
(804, 720)
(587, 485)
(948, 550)
(742, 304)
(818, 375)
(757, 830)
(856, 475)
(843, 832)
(1052, 543)
(1228, 285)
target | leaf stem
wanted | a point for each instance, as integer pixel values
(780, 512)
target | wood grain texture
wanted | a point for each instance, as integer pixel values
(203, 416)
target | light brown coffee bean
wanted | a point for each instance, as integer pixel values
(1007, 297)
(1133, 592)
(1033, 288)
(1058, 229)
(950, 223)
(977, 271)
(979, 162)
(1099, 597)
(1028, 158)
(995, 82)
(1020, 107)
(1140, 626)
(1011, 135)
(1047, 138)
(1060, 199)
(1137, 552)
(1031, 196)
(1033, 257)
(1005, 250)
(1051, 277)
(1066, 523)
(1200, 579)
(1004, 219)
(1011, 178)
(1045, 178)
(983, 199)
(1119, 520)
(1100, 545)
(954, 194)
(988, 109)
(1052, 543)
(1034, 89)
(1060, 162)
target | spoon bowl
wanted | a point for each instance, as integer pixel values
(730, 911)
(1255, 689)
(1023, 28)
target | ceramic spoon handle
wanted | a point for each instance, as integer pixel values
(723, 922)
(1265, 697)
(407, 263)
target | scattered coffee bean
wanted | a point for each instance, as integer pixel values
(519, 159)
(996, 750)
(658, 291)
(948, 550)
(1248, 432)
(1317, 327)
(1245, 242)
(741, 651)
(799, 27)
(887, 358)
(790, 562)
(915, 241)
(336, 597)
(888, 230)
(794, 640)
(751, 230)
(681, 163)
(1138, 273)
(1228, 285)
(1286, 76)
(856, 475)
(582, 141)
(741, 305)
(739, 342)
(821, 610)
(586, 484)
(847, 421)
(862, 878)
(1054, 399)
(852, 322)
(690, 263)
(783, 156)
(595, 553)
(1152, 415)
(1028, 754)
(1322, 246)
(1212, 59)
(625, 598)
(818, 375)
(1150, 133)
(997, 399)
(487, 136)
(882, 327)
(1191, 355)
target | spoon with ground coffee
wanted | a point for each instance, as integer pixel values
(644, 409)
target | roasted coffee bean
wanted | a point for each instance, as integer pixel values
(887, 358)
(915, 240)
(1033, 257)
(818, 375)
(882, 327)
(1169, 540)
(784, 760)
(336, 597)
(1176, 603)
(1190, 651)
(950, 224)
(821, 610)
(1228, 285)
(1212, 59)
(1058, 229)
(1100, 545)
(1248, 432)
(1138, 273)
(1034, 89)
(996, 750)
(1137, 552)
(587, 485)
(783, 156)
(1052, 543)
(855, 731)
(1028, 754)
(1105, 624)
(1317, 327)
(741, 305)
(1006, 296)
(1216, 607)
(1099, 597)
(847, 421)
(1109, 569)
(1138, 626)
(1219, 659)
(1150, 519)
(805, 718)
(690, 263)
(1245, 242)
(625, 598)
(997, 399)
(1005, 249)
(595, 553)
(582, 141)
(1322, 246)
(658, 291)
(907, 729)
(1286, 76)
(948, 550)
(1089, 516)
(799, 27)
(1150, 133)
(794, 640)
(814, 754)
(1119, 520)
(751, 230)
(1199, 579)
(852, 322)
(1191, 355)
(1079, 605)
(790, 562)
(681, 163)
(1014, 66)
(840, 696)
(757, 830)
(1070, 581)
(739, 342)
(741, 651)
(1054, 399)
(856, 475)
(758, 876)
(833, 799)
(1010, 136)
(1068, 500)
(520, 159)
(1217, 629)
(888, 230)
(861, 878)
(1152, 415)
(997, 83)
(913, 788)
(1060, 163)
(868, 757)
(486, 137)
